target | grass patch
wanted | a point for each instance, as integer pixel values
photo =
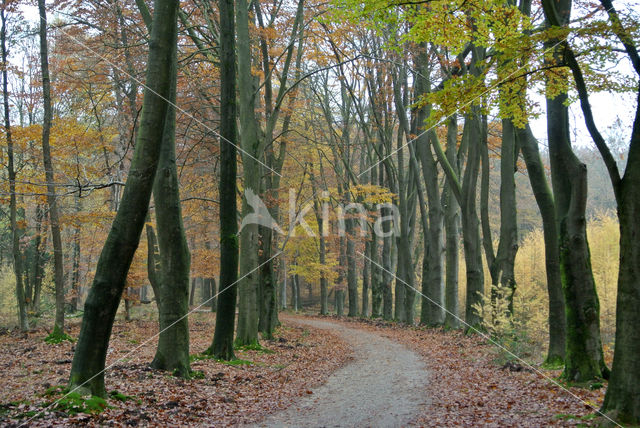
(74, 403)
(197, 374)
(234, 362)
(58, 336)
(255, 347)
(55, 390)
(119, 396)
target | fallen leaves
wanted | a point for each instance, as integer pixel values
(223, 394)
(467, 388)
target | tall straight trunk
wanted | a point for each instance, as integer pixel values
(16, 230)
(283, 286)
(352, 275)
(210, 286)
(376, 280)
(75, 273)
(501, 264)
(339, 302)
(248, 311)
(387, 295)
(222, 345)
(432, 306)
(399, 313)
(470, 222)
(324, 285)
(339, 284)
(544, 199)
(366, 280)
(115, 259)
(508, 246)
(38, 262)
(267, 293)
(452, 231)
(192, 293)
(295, 295)
(54, 218)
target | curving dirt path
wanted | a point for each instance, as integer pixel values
(384, 386)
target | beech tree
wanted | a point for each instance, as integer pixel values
(622, 400)
(16, 231)
(109, 282)
(54, 217)
(222, 346)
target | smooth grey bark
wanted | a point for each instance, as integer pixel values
(54, 217)
(115, 259)
(16, 230)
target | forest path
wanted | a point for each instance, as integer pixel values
(384, 386)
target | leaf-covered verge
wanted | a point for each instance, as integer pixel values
(468, 387)
(259, 382)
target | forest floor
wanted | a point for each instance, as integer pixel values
(319, 371)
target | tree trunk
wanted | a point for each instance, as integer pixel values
(376, 279)
(111, 272)
(623, 394)
(268, 295)
(470, 222)
(58, 262)
(452, 231)
(366, 280)
(546, 205)
(210, 288)
(339, 302)
(248, 314)
(172, 298)
(222, 345)
(75, 274)
(16, 231)
(352, 276)
(192, 293)
(584, 359)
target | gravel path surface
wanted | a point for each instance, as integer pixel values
(384, 386)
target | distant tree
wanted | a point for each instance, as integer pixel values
(54, 216)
